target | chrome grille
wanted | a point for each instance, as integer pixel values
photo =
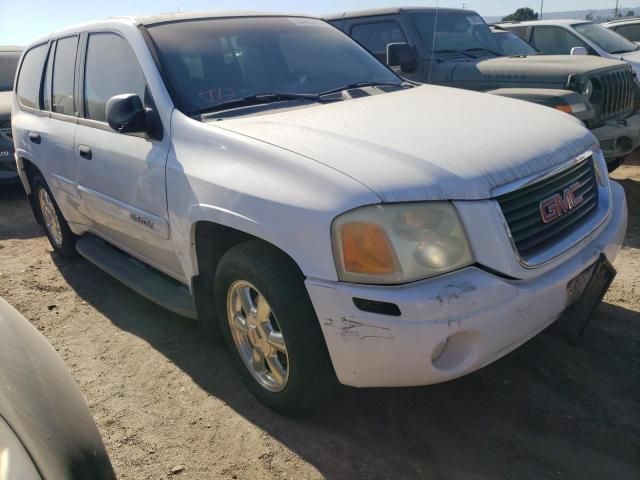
(617, 94)
(522, 208)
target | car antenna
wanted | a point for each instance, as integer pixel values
(433, 43)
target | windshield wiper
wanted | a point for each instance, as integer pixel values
(619, 52)
(257, 99)
(365, 84)
(482, 49)
(459, 52)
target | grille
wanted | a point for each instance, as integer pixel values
(522, 211)
(617, 94)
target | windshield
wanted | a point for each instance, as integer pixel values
(8, 65)
(209, 62)
(447, 32)
(606, 39)
(511, 44)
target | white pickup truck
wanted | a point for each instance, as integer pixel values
(268, 176)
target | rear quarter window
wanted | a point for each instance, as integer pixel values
(30, 77)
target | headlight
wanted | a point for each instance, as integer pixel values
(399, 243)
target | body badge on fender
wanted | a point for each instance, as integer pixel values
(557, 205)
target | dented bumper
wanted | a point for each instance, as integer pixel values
(449, 325)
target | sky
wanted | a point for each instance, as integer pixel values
(22, 21)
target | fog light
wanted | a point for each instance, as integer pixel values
(439, 350)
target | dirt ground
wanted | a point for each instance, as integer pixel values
(163, 398)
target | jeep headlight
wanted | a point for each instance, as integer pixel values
(399, 243)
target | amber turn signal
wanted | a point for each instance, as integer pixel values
(564, 108)
(366, 249)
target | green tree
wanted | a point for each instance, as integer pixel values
(630, 13)
(589, 16)
(521, 15)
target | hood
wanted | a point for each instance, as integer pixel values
(535, 70)
(633, 58)
(5, 106)
(425, 143)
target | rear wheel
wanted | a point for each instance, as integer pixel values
(271, 328)
(60, 236)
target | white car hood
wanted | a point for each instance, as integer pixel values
(633, 58)
(425, 143)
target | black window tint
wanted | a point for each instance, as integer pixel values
(111, 69)
(554, 41)
(63, 75)
(376, 36)
(31, 76)
(630, 32)
(8, 65)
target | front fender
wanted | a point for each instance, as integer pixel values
(550, 98)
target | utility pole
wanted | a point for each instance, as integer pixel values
(541, 7)
(615, 15)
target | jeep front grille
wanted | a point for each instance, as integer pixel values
(617, 94)
(522, 208)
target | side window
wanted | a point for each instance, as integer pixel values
(30, 77)
(376, 36)
(111, 68)
(63, 75)
(630, 32)
(554, 41)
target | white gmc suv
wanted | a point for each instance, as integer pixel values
(268, 176)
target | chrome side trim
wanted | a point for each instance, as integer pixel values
(604, 203)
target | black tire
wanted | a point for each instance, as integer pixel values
(311, 378)
(67, 247)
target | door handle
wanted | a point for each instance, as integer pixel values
(85, 151)
(35, 137)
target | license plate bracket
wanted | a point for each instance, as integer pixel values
(585, 292)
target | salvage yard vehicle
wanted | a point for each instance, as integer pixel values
(268, 176)
(629, 28)
(9, 57)
(46, 429)
(456, 48)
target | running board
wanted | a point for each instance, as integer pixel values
(144, 280)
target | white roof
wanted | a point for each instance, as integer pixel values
(626, 21)
(560, 21)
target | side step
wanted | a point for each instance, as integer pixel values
(145, 280)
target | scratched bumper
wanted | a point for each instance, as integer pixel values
(482, 315)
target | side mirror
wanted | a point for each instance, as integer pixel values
(403, 56)
(126, 114)
(579, 51)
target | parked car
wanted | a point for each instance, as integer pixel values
(560, 37)
(9, 57)
(456, 48)
(274, 180)
(46, 430)
(629, 28)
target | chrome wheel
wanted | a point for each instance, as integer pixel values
(50, 217)
(257, 336)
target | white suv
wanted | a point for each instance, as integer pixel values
(268, 176)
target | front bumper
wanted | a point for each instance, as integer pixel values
(619, 138)
(483, 316)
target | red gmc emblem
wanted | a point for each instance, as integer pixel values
(554, 207)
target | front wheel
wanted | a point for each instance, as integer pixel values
(271, 328)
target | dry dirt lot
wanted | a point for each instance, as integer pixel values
(163, 398)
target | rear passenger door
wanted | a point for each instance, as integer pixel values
(121, 176)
